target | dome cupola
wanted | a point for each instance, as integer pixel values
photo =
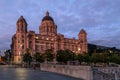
(47, 17)
(47, 26)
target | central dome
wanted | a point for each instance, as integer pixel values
(47, 17)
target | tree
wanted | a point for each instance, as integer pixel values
(80, 58)
(27, 57)
(65, 55)
(38, 57)
(114, 59)
(49, 56)
(60, 56)
(7, 56)
(86, 58)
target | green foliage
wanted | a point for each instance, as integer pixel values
(38, 57)
(65, 55)
(7, 55)
(60, 57)
(114, 59)
(86, 58)
(106, 57)
(49, 56)
(80, 58)
(27, 57)
(99, 58)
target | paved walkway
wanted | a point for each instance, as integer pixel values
(30, 74)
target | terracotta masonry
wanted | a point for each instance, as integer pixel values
(48, 38)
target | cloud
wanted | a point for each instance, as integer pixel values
(5, 41)
(100, 18)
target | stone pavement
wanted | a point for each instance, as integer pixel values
(30, 74)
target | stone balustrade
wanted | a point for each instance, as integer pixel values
(82, 72)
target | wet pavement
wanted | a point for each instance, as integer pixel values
(30, 74)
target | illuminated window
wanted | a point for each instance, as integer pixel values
(36, 37)
(79, 49)
(47, 38)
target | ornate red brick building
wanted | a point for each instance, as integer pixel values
(48, 38)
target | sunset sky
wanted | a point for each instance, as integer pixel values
(100, 18)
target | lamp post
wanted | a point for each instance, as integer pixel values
(9, 56)
(115, 73)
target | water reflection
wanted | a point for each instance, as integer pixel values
(29, 74)
(21, 74)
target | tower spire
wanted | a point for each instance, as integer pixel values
(21, 24)
(47, 13)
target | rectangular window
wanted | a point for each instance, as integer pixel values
(22, 41)
(22, 36)
(18, 41)
(23, 47)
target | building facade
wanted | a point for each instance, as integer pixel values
(48, 38)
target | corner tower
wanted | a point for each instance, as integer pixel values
(48, 26)
(21, 32)
(82, 36)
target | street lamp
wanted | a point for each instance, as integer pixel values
(115, 73)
